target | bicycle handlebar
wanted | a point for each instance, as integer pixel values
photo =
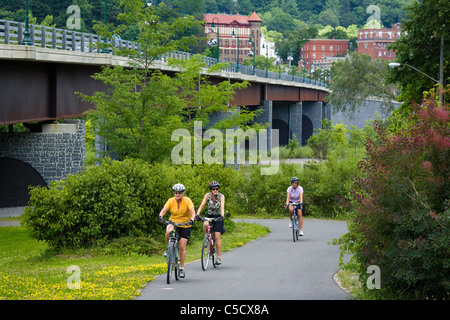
(175, 224)
(300, 205)
(212, 219)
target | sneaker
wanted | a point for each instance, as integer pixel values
(301, 233)
(165, 253)
(181, 273)
(290, 224)
(218, 261)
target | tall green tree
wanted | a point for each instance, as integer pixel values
(425, 26)
(142, 106)
(357, 78)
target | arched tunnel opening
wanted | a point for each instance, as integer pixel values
(15, 178)
(307, 129)
(283, 132)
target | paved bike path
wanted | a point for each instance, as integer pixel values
(270, 268)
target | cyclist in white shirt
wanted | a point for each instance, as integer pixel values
(295, 195)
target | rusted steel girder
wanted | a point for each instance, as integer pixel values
(38, 91)
(42, 91)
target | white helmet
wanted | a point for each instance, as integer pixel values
(178, 187)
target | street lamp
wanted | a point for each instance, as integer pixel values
(279, 64)
(105, 49)
(26, 35)
(218, 42)
(254, 50)
(441, 82)
(267, 59)
(290, 58)
(396, 64)
(233, 35)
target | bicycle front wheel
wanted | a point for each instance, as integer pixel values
(176, 265)
(170, 261)
(294, 227)
(213, 255)
(205, 253)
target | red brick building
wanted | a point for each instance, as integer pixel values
(246, 27)
(319, 51)
(374, 41)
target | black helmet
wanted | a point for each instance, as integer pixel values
(294, 179)
(214, 184)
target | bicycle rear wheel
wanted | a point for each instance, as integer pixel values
(205, 253)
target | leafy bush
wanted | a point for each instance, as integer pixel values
(266, 193)
(327, 184)
(403, 219)
(104, 202)
(327, 138)
(117, 199)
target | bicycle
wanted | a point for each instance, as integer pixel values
(172, 257)
(208, 250)
(295, 224)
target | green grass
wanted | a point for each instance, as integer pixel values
(30, 270)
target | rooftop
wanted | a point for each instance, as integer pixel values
(229, 19)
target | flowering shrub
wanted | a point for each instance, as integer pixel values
(403, 208)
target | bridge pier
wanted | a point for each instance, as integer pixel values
(54, 152)
(299, 118)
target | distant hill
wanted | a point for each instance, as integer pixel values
(277, 15)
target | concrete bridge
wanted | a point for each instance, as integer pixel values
(38, 84)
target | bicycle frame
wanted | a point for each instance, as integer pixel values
(172, 259)
(295, 222)
(208, 250)
(208, 244)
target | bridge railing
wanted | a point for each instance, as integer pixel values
(12, 32)
(248, 70)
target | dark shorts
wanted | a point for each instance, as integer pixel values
(298, 206)
(184, 233)
(217, 226)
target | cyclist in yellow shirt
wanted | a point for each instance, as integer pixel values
(182, 210)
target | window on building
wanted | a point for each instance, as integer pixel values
(314, 47)
(331, 48)
(323, 48)
(379, 53)
(314, 55)
(337, 48)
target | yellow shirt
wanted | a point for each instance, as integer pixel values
(179, 213)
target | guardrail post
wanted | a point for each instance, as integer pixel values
(74, 41)
(43, 37)
(32, 34)
(19, 33)
(6, 32)
(54, 42)
(64, 39)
